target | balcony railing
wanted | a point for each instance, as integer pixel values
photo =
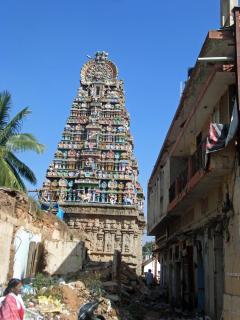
(195, 163)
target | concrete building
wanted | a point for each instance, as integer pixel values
(194, 189)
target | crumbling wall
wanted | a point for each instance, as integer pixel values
(64, 256)
(6, 234)
(22, 227)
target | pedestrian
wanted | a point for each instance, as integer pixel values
(149, 278)
(12, 307)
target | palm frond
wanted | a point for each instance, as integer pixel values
(3, 151)
(14, 126)
(13, 170)
(5, 104)
(9, 177)
(24, 142)
(22, 169)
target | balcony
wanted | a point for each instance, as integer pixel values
(199, 176)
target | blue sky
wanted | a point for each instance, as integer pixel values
(44, 45)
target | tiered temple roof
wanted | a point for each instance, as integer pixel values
(94, 162)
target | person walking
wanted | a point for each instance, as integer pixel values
(149, 278)
(12, 307)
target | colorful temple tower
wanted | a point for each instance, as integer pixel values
(94, 174)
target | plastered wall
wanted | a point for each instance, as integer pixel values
(20, 225)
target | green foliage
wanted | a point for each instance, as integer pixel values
(44, 286)
(147, 248)
(13, 170)
(42, 281)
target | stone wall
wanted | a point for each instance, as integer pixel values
(108, 229)
(24, 228)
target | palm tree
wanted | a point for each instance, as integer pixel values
(12, 170)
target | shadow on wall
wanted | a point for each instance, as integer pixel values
(63, 257)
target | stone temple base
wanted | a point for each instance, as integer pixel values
(108, 228)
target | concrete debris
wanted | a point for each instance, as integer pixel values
(31, 315)
(111, 286)
(63, 300)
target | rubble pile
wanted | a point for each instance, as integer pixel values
(152, 306)
(123, 298)
(61, 298)
(130, 282)
(116, 303)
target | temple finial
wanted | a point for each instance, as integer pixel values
(101, 55)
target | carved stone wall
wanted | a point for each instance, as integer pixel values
(117, 229)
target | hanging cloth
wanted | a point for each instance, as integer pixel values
(233, 124)
(216, 138)
(220, 135)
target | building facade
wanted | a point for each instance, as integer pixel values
(94, 174)
(194, 189)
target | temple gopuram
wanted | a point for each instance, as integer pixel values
(94, 174)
